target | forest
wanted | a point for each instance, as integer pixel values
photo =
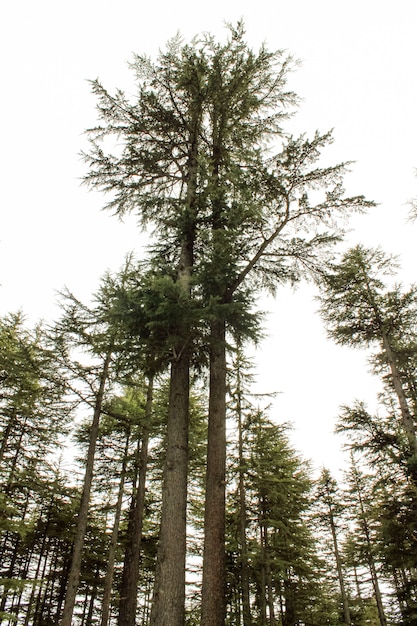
(143, 481)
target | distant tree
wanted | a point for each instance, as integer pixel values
(34, 418)
(240, 380)
(274, 571)
(332, 508)
(361, 505)
(358, 310)
(119, 434)
(380, 441)
(130, 574)
(33, 409)
(413, 209)
(97, 334)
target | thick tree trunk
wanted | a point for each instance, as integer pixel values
(168, 605)
(169, 589)
(74, 574)
(213, 607)
(130, 575)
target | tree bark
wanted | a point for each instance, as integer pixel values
(213, 606)
(169, 590)
(168, 605)
(108, 581)
(244, 567)
(130, 575)
(369, 555)
(346, 612)
(74, 574)
(406, 417)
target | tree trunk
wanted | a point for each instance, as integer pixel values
(244, 568)
(130, 575)
(74, 574)
(108, 581)
(406, 417)
(369, 554)
(43, 555)
(213, 606)
(262, 567)
(168, 605)
(346, 612)
(169, 589)
(89, 618)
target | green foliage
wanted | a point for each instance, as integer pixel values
(281, 549)
(237, 206)
(356, 305)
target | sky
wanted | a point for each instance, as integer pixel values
(357, 75)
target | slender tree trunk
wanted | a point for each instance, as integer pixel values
(369, 553)
(10, 574)
(406, 417)
(43, 555)
(108, 581)
(6, 433)
(64, 558)
(377, 590)
(289, 617)
(130, 575)
(93, 596)
(244, 567)
(270, 593)
(48, 577)
(74, 574)
(262, 573)
(399, 592)
(346, 611)
(213, 606)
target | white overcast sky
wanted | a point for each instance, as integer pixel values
(358, 76)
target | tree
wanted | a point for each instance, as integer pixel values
(380, 441)
(34, 415)
(32, 397)
(364, 537)
(157, 175)
(359, 311)
(332, 509)
(130, 574)
(98, 333)
(230, 218)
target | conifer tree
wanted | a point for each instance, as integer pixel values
(34, 418)
(359, 310)
(99, 335)
(230, 217)
(362, 507)
(327, 491)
